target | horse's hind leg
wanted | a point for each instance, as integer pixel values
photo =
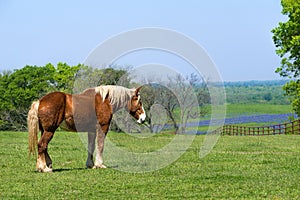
(43, 160)
(48, 159)
(91, 149)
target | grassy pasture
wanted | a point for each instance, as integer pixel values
(237, 168)
(249, 109)
(256, 109)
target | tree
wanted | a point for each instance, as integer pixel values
(19, 89)
(87, 77)
(287, 41)
(64, 76)
(175, 101)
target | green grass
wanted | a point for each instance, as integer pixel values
(252, 109)
(237, 168)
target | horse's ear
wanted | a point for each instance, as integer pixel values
(137, 91)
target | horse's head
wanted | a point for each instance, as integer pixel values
(136, 107)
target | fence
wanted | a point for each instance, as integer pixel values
(285, 128)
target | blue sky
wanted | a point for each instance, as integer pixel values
(235, 33)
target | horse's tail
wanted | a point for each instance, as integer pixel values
(33, 127)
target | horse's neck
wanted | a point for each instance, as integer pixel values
(116, 107)
(118, 95)
(120, 103)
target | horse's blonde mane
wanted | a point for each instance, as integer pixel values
(117, 95)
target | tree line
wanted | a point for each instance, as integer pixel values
(256, 92)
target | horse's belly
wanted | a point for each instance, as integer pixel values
(78, 125)
(67, 127)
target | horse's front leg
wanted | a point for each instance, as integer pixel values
(101, 134)
(91, 149)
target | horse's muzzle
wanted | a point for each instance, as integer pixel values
(142, 118)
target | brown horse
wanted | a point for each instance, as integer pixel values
(90, 111)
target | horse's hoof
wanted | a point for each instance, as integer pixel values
(46, 169)
(89, 165)
(99, 166)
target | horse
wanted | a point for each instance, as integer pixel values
(90, 111)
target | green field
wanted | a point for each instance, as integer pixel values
(233, 110)
(253, 109)
(237, 168)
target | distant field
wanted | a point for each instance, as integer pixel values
(250, 109)
(245, 114)
(254, 109)
(237, 168)
(262, 114)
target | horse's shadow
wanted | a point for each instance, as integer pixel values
(68, 169)
(78, 169)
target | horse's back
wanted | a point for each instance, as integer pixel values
(89, 92)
